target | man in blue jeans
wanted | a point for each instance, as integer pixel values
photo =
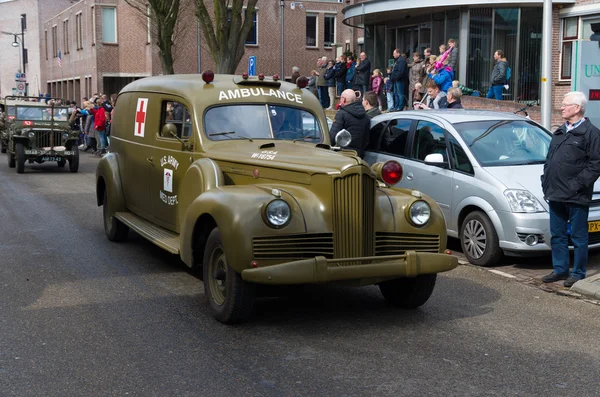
(498, 79)
(399, 79)
(572, 166)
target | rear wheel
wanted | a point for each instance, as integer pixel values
(115, 229)
(479, 240)
(74, 158)
(20, 154)
(11, 160)
(2, 147)
(409, 293)
(230, 298)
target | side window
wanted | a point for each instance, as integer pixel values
(460, 161)
(429, 138)
(179, 115)
(394, 138)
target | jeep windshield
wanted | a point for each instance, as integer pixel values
(261, 122)
(41, 113)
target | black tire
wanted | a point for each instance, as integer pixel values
(408, 293)
(479, 240)
(115, 229)
(11, 160)
(230, 298)
(20, 157)
(2, 147)
(61, 163)
(74, 159)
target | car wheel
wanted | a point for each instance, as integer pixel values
(11, 160)
(74, 159)
(2, 147)
(479, 240)
(230, 298)
(410, 292)
(20, 154)
(115, 229)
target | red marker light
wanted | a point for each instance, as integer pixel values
(11, 117)
(208, 76)
(275, 77)
(302, 82)
(449, 252)
(255, 173)
(254, 264)
(391, 172)
(245, 76)
(27, 122)
(261, 76)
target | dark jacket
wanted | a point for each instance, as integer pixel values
(340, 72)
(400, 70)
(499, 73)
(330, 77)
(362, 73)
(350, 72)
(373, 112)
(572, 164)
(295, 76)
(353, 118)
(455, 105)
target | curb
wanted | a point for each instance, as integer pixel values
(589, 287)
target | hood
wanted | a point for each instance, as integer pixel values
(289, 155)
(523, 177)
(356, 109)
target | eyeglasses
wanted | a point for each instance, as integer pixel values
(564, 105)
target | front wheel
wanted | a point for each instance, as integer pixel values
(115, 229)
(20, 153)
(409, 293)
(74, 158)
(230, 298)
(479, 240)
(11, 160)
(2, 147)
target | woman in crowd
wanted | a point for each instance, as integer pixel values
(415, 76)
(330, 83)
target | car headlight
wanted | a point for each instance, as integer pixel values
(419, 212)
(65, 136)
(32, 134)
(278, 213)
(522, 201)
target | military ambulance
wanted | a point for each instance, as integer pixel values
(237, 175)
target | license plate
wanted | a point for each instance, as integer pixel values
(51, 158)
(594, 227)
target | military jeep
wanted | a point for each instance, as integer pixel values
(236, 176)
(40, 132)
(7, 115)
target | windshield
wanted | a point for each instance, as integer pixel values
(505, 142)
(39, 113)
(261, 122)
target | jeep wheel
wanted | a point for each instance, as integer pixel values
(74, 159)
(115, 229)
(2, 147)
(230, 298)
(20, 154)
(479, 240)
(61, 163)
(408, 293)
(11, 160)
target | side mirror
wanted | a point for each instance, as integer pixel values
(169, 130)
(343, 138)
(436, 159)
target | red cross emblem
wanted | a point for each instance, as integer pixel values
(140, 116)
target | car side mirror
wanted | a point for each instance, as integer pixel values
(343, 138)
(169, 130)
(436, 159)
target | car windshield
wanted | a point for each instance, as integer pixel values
(505, 142)
(41, 113)
(261, 122)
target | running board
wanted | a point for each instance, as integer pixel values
(155, 234)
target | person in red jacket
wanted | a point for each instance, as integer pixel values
(100, 125)
(377, 85)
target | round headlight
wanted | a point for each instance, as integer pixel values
(420, 212)
(31, 134)
(65, 136)
(278, 213)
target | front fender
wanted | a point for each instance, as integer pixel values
(108, 178)
(238, 212)
(485, 207)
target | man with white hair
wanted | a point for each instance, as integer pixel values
(353, 118)
(572, 166)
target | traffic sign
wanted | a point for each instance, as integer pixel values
(20, 77)
(20, 87)
(252, 65)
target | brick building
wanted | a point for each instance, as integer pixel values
(104, 44)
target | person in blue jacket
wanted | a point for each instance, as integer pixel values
(443, 77)
(350, 65)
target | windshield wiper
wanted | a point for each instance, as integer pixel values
(229, 133)
(305, 137)
(489, 130)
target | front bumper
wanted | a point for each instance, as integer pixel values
(322, 270)
(56, 151)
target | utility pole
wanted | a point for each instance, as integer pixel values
(282, 4)
(546, 92)
(24, 53)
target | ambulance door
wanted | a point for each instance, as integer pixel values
(172, 158)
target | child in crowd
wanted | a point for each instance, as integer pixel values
(377, 85)
(388, 89)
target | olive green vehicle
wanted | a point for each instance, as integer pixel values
(39, 133)
(7, 115)
(236, 176)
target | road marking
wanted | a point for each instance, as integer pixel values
(501, 273)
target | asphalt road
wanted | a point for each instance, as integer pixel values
(80, 316)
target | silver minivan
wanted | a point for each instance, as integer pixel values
(483, 168)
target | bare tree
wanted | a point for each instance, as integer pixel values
(226, 30)
(163, 15)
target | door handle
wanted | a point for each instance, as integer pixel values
(410, 176)
(150, 160)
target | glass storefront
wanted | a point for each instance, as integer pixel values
(516, 31)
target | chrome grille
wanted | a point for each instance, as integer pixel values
(44, 138)
(353, 218)
(399, 243)
(293, 246)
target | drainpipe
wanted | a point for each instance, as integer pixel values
(546, 78)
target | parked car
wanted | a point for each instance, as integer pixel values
(483, 168)
(235, 175)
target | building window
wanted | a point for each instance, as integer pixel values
(311, 30)
(109, 25)
(329, 30)
(54, 41)
(78, 31)
(66, 36)
(46, 43)
(93, 26)
(252, 38)
(570, 31)
(587, 27)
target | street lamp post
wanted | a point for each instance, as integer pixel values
(282, 5)
(22, 51)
